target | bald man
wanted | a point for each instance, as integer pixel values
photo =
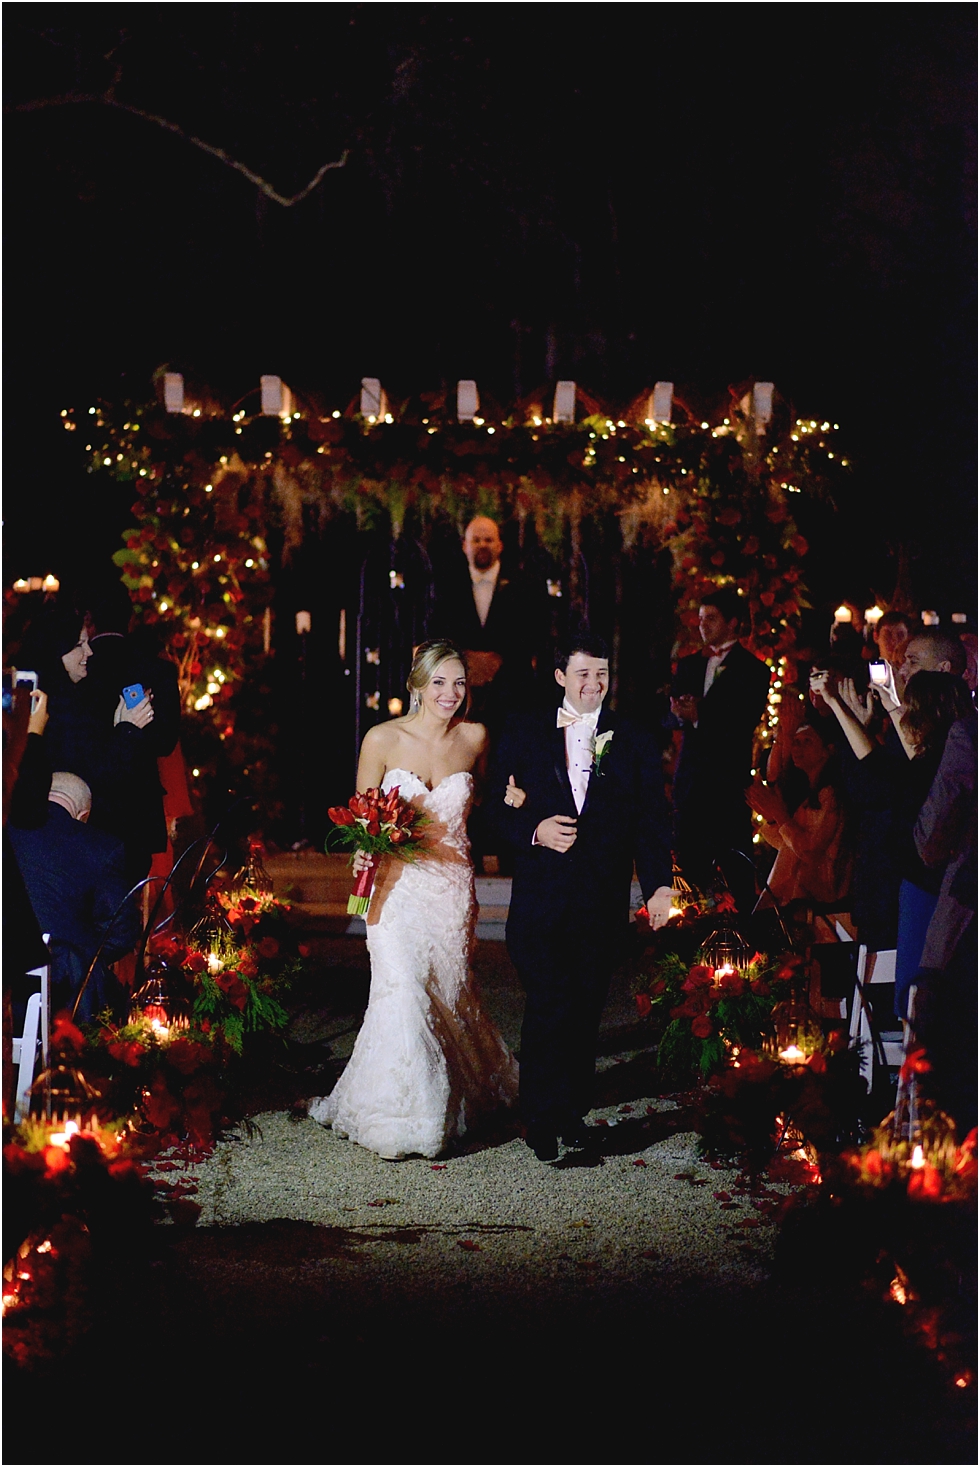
(75, 878)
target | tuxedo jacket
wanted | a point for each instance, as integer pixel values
(715, 761)
(624, 819)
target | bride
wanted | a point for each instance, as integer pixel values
(428, 1062)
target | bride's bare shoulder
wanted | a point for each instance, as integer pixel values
(474, 736)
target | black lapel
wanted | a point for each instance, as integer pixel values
(605, 721)
(561, 764)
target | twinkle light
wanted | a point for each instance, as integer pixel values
(196, 773)
(205, 701)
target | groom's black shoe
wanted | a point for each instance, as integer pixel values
(576, 1133)
(543, 1143)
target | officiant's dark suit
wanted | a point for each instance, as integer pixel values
(488, 613)
(711, 817)
(569, 912)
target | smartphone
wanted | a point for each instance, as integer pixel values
(880, 674)
(26, 680)
(133, 694)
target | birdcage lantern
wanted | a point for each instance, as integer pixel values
(726, 951)
(212, 936)
(158, 1002)
(252, 879)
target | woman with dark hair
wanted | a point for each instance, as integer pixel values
(933, 702)
(804, 820)
(103, 747)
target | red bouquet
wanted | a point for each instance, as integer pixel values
(380, 825)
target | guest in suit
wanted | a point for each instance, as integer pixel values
(130, 806)
(718, 699)
(946, 1001)
(76, 881)
(489, 617)
(575, 830)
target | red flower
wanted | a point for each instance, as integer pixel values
(644, 1004)
(267, 947)
(718, 558)
(767, 598)
(56, 1160)
(701, 1027)
(728, 516)
(915, 1064)
(195, 962)
(341, 816)
(751, 546)
(187, 1055)
(817, 1063)
(700, 976)
(732, 983)
(659, 987)
(925, 1183)
(127, 1051)
(248, 967)
(725, 902)
(799, 544)
(233, 988)
(65, 1032)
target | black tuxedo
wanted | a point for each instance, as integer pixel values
(715, 766)
(75, 878)
(569, 912)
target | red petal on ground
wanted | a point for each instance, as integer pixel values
(439, 1167)
(639, 1161)
(469, 1245)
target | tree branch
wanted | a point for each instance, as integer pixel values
(71, 99)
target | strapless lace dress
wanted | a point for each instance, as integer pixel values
(428, 1062)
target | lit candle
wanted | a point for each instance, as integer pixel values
(873, 615)
(842, 615)
(214, 963)
(918, 1158)
(793, 1055)
(62, 1138)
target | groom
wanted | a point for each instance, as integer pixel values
(595, 804)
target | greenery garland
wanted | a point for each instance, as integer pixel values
(211, 485)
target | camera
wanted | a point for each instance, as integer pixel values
(880, 674)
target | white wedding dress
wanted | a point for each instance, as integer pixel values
(428, 1062)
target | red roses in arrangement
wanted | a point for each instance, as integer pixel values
(379, 825)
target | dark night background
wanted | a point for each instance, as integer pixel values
(614, 193)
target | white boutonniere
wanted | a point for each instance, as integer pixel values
(600, 748)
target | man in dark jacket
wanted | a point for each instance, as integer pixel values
(718, 699)
(488, 616)
(128, 800)
(594, 803)
(76, 881)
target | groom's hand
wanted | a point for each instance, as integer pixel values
(658, 907)
(557, 833)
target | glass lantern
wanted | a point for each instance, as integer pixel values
(726, 951)
(158, 1002)
(797, 1034)
(252, 880)
(212, 936)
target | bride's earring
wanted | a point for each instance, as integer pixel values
(414, 702)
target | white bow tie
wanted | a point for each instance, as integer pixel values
(566, 719)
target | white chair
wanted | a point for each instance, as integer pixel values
(24, 1050)
(873, 969)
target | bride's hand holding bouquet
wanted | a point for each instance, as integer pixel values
(372, 825)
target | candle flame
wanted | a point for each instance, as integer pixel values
(793, 1055)
(918, 1158)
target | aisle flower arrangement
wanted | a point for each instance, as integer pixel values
(708, 1013)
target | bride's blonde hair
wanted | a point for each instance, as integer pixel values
(428, 656)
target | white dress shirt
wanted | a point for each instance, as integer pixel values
(579, 745)
(484, 585)
(715, 662)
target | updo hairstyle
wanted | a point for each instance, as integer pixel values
(428, 656)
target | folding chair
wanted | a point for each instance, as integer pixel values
(878, 1044)
(24, 1049)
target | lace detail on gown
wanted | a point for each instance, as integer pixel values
(428, 1062)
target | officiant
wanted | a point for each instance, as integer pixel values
(490, 615)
